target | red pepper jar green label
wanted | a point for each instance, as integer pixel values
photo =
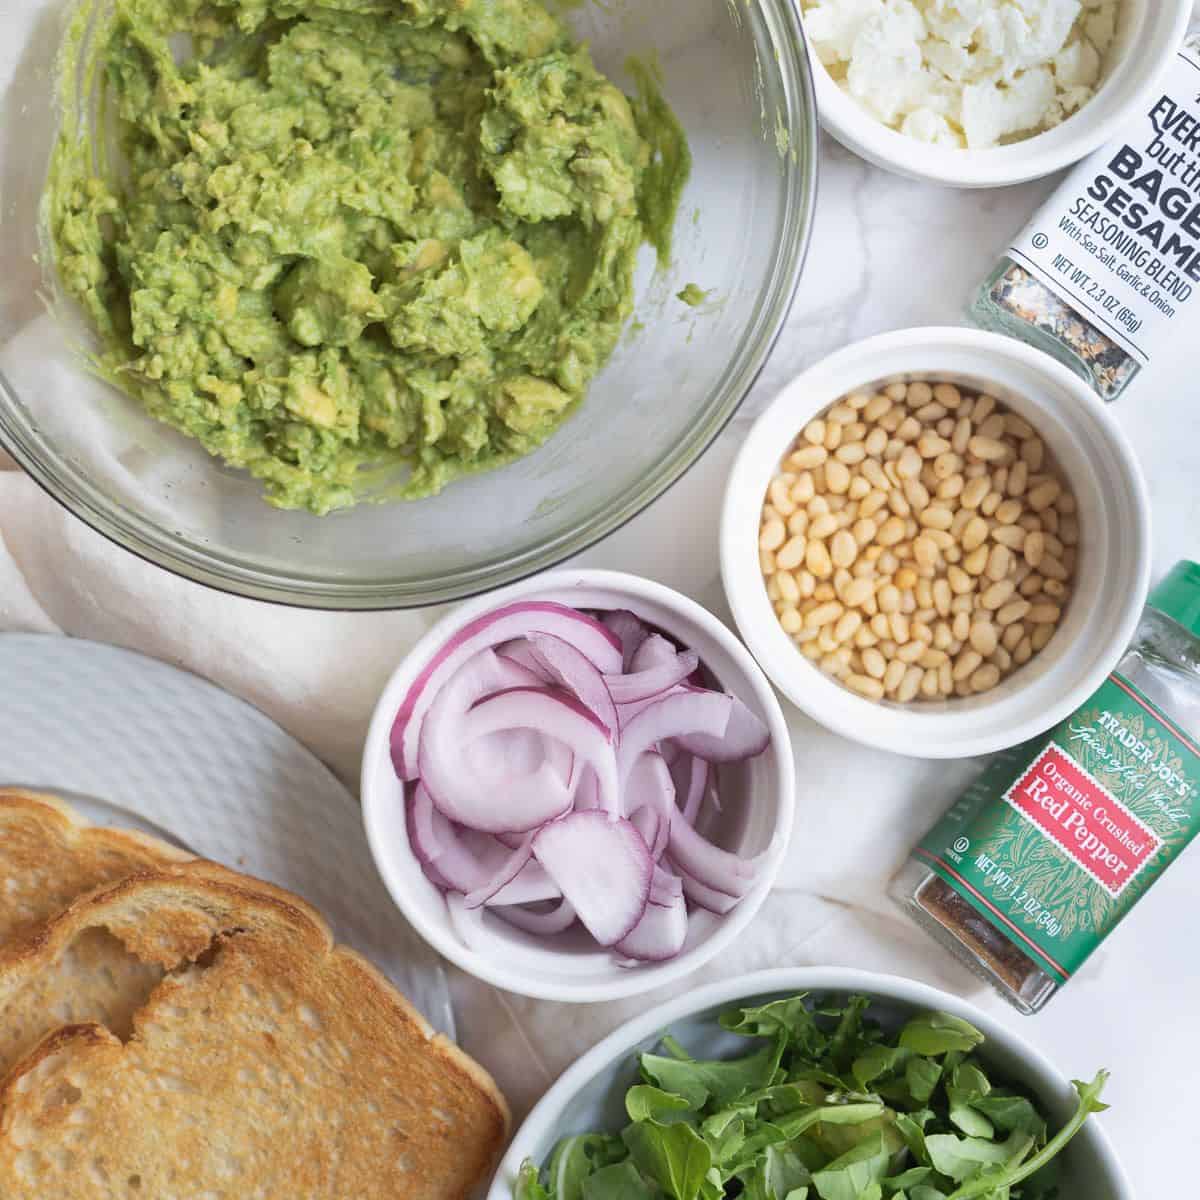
(1057, 840)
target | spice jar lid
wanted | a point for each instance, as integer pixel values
(1178, 596)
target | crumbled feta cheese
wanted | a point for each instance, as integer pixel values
(969, 73)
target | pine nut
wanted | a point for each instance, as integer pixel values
(843, 548)
(998, 594)
(918, 543)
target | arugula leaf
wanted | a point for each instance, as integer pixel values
(829, 1114)
(646, 1103)
(907, 1179)
(726, 1142)
(966, 1087)
(963, 1158)
(848, 1035)
(922, 1076)
(529, 1183)
(850, 1177)
(575, 1158)
(621, 1181)
(723, 1082)
(791, 1016)
(911, 1127)
(675, 1157)
(1089, 1102)
(1011, 1113)
(877, 1062)
(785, 1172)
(935, 1034)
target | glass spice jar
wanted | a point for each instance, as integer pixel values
(1102, 276)
(1053, 844)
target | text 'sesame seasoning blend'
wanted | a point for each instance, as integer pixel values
(1055, 842)
(1102, 276)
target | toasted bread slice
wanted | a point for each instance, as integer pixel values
(267, 1063)
(48, 858)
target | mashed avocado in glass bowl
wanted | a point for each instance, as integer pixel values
(335, 235)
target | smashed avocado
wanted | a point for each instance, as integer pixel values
(343, 234)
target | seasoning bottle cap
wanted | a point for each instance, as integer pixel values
(1178, 596)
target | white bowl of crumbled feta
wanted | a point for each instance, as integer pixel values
(982, 93)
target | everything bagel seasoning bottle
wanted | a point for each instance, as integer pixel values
(1104, 274)
(1044, 855)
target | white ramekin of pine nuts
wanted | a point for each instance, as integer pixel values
(936, 542)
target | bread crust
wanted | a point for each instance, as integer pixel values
(49, 855)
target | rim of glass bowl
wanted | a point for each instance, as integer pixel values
(154, 544)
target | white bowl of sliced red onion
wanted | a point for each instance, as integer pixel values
(579, 788)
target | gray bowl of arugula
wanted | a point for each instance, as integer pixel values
(814, 1084)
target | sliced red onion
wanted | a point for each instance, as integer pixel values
(530, 886)
(686, 712)
(648, 823)
(691, 776)
(715, 868)
(483, 799)
(664, 885)
(468, 924)
(653, 681)
(521, 653)
(659, 935)
(517, 620)
(550, 749)
(424, 857)
(626, 712)
(541, 924)
(557, 716)
(575, 672)
(649, 796)
(503, 876)
(444, 852)
(745, 736)
(587, 794)
(629, 630)
(603, 868)
(708, 898)
(655, 651)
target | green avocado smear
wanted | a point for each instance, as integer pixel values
(347, 234)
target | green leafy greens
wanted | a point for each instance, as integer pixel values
(829, 1106)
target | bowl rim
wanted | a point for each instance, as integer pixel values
(633, 981)
(998, 166)
(858, 719)
(785, 979)
(157, 545)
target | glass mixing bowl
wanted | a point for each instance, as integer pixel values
(737, 75)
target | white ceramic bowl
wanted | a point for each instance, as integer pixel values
(1150, 32)
(590, 1095)
(1112, 574)
(757, 814)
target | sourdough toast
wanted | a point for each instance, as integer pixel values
(267, 1063)
(48, 858)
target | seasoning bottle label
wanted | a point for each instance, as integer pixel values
(1119, 241)
(1059, 838)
